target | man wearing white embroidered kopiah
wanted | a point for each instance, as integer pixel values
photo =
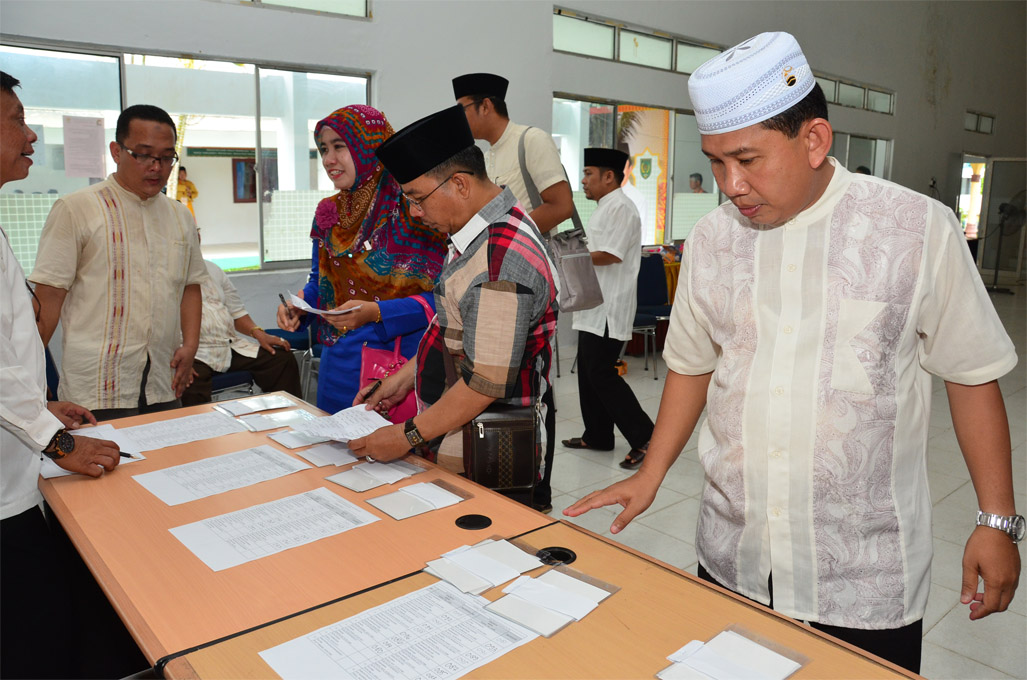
(811, 313)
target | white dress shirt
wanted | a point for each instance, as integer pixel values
(27, 425)
(614, 228)
(823, 335)
(221, 307)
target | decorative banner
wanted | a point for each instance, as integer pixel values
(647, 133)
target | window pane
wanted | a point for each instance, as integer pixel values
(648, 50)
(582, 37)
(879, 101)
(213, 104)
(54, 85)
(351, 7)
(647, 135)
(577, 125)
(829, 87)
(970, 122)
(691, 57)
(291, 104)
(840, 147)
(986, 125)
(850, 95)
(689, 204)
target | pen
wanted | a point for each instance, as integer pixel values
(374, 389)
(126, 455)
(285, 304)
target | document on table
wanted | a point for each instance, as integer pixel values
(349, 423)
(263, 402)
(300, 303)
(258, 422)
(435, 632)
(333, 453)
(244, 535)
(366, 476)
(181, 430)
(202, 478)
(106, 431)
(415, 500)
(728, 655)
(291, 439)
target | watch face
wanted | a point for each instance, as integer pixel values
(65, 443)
(1018, 526)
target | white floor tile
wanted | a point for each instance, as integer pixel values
(996, 641)
(939, 663)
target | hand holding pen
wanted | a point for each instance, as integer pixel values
(288, 317)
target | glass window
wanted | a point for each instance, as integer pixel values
(583, 37)
(291, 104)
(850, 95)
(577, 125)
(646, 133)
(695, 190)
(986, 124)
(840, 147)
(351, 7)
(829, 87)
(970, 121)
(55, 85)
(648, 50)
(691, 57)
(879, 101)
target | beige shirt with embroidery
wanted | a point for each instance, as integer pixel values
(221, 307)
(540, 156)
(822, 335)
(125, 263)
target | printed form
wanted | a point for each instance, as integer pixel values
(435, 632)
(181, 430)
(244, 535)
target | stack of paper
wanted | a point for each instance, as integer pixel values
(263, 402)
(548, 603)
(475, 569)
(327, 454)
(105, 431)
(370, 475)
(725, 657)
(180, 430)
(414, 500)
(349, 423)
(258, 422)
(291, 439)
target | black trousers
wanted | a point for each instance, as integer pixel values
(606, 399)
(271, 372)
(901, 646)
(142, 406)
(36, 594)
(544, 489)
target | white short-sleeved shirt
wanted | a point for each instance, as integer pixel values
(125, 263)
(614, 228)
(822, 335)
(26, 426)
(221, 307)
(540, 156)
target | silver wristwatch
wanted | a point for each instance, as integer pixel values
(1013, 525)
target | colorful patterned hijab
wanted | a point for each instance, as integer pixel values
(369, 246)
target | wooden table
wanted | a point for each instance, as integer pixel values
(657, 611)
(170, 600)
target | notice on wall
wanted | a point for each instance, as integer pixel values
(84, 150)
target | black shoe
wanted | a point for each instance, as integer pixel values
(544, 508)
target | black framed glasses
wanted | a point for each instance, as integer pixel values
(146, 159)
(419, 202)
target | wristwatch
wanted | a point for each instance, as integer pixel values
(413, 436)
(1013, 525)
(60, 445)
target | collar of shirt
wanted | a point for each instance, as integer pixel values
(490, 212)
(508, 134)
(828, 200)
(127, 195)
(610, 197)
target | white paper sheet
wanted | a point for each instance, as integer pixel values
(355, 480)
(181, 430)
(291, 439)
(300, 303)
(551, 597)
(399, 505)
(262, 402)
(106, 431)
(436, 632)
(433, 494)
(730, 656)
(543, 621)
(327, 454)
(483, 566)
(350, 423)
(84, 149)
(239, 537)
(464, 580)
(210, 476)
(259, 422)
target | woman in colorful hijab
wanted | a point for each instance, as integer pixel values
(368, 254)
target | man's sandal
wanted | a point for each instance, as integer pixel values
(633, 459)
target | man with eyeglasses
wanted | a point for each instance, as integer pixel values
(119, 266)
(495, 298)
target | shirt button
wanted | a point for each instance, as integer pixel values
(779, 391)
(776, 512)
(792, 267)
(775, 454)
(787, 330)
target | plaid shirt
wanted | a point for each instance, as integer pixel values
(496, 308)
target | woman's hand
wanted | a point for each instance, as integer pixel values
(288, 317)
(366, 312)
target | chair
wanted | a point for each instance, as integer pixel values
(53, 377)
(653, 304)
(227, 384)
(645, 325)
(307, 358)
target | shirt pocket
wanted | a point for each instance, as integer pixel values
(858, 347)
(174, 262)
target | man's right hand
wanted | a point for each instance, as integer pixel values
(635, 494)
(392, 391)
(91, 457)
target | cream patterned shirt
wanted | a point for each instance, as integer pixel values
(125, 263)
(221, 307)
(822, 335)
(503, 163)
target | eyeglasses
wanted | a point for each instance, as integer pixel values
(146, 159)
(420, 201)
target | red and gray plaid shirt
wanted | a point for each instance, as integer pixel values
(496, 308)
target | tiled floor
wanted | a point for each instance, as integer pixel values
(953, 646)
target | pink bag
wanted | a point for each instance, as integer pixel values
(378, 364)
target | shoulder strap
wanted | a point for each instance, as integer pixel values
(529, 184)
